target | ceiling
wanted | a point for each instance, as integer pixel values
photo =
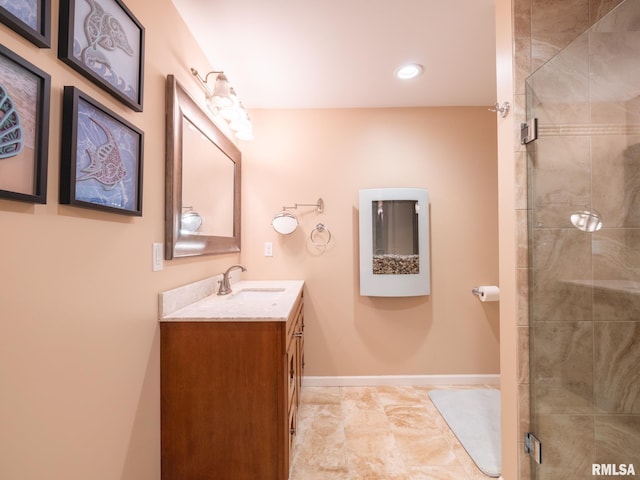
(342, 53)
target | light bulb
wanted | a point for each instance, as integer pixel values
(408, 71)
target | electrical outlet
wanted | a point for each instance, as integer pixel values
(268, 249)
(157, 257)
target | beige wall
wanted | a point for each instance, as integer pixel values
(300, 155)
(79, 346)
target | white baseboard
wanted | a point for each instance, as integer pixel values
(400, 380)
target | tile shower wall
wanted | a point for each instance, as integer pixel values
(601, 331)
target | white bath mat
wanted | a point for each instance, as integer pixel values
(474, 417)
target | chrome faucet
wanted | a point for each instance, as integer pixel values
(225, 286)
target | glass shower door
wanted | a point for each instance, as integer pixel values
(584, 247)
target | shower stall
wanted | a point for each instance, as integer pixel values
(582, 138)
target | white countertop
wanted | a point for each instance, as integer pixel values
(244, 304)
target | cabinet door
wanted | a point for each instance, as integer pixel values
(293, 426)
(300, 353)
(292, 374)
(222, 401)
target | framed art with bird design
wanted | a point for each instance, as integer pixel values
(102, 40)
(101, 161)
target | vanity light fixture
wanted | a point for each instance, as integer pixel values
(408, 71)
(285, 222)
(222, 101)
(191, 220)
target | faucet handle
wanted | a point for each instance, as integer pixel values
(225, 285)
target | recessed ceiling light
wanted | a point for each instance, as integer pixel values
(410, 70)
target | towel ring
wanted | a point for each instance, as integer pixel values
(319, 229)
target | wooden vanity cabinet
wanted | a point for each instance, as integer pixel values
(229, 397)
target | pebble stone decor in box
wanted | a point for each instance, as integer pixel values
(392, 264)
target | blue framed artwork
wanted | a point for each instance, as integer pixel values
(102, 40)
(30, 18)
(25, 93)
(101, 163)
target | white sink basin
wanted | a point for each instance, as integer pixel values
(256, 294)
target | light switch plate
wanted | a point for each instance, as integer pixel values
(268, 249)
(157, 257)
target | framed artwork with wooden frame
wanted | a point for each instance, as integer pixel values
(102, 40)
(29, 18)
(101, 161)
(25, 93)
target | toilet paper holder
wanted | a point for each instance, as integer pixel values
(487, 293)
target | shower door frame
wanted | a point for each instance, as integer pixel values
(584, 307)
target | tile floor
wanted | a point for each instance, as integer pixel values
(375, 433)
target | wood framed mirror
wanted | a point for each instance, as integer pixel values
(202, 191)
